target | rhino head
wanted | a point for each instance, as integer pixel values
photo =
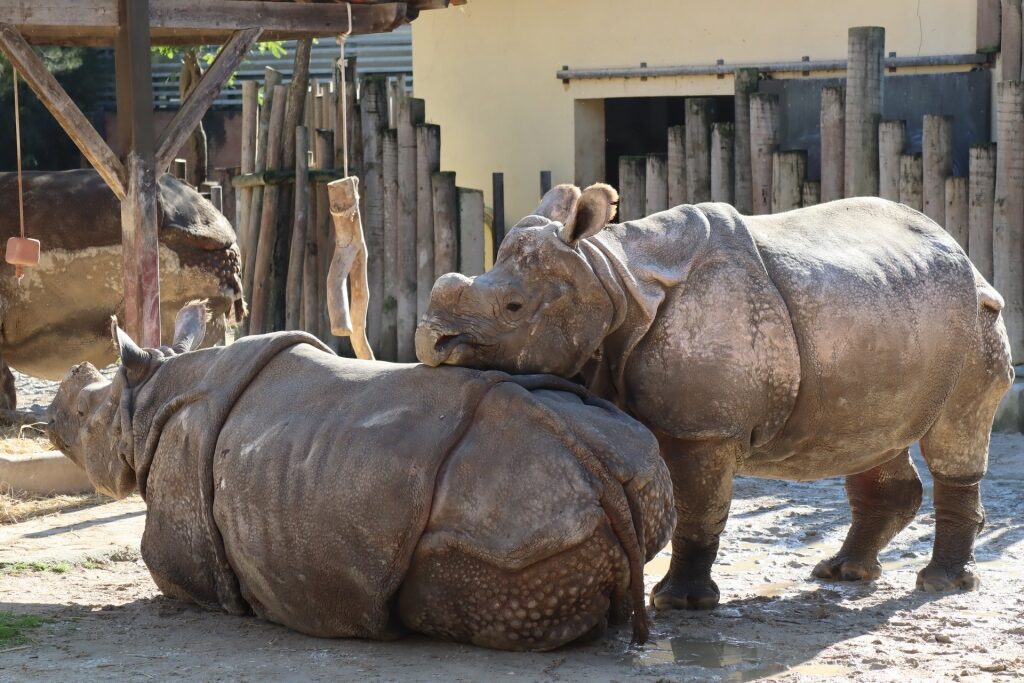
(90, 418)
(541, 309)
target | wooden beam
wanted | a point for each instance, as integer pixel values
(140, 245)
(93, 23)
(209, 86)
(67, 113)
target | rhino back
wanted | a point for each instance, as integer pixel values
(882, 302)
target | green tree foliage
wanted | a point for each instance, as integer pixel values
(44, 145)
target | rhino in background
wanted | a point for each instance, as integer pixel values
(814, 343)
(60, 313)
(356, 498)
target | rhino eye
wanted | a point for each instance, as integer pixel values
(513, 307)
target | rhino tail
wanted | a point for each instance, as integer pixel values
(987, 294)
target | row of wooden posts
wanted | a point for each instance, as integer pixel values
(418, 224)
(741, 163)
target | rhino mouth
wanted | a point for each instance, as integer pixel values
(226, 265)
(446, 343)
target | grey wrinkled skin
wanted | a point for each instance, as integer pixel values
(815, 343)
(362, 499)
(59, 314)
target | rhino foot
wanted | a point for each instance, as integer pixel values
(694, 593)
(936, 578)
(843, 568)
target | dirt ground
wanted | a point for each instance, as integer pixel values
(106, 621)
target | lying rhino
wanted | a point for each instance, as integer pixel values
(353, 498)
(809, 344)
(60, 313)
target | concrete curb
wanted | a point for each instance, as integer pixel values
(43, 473)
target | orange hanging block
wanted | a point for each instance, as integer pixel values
(21, 252)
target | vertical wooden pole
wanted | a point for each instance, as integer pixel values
(373, 110)
(956, 210)
(389, 321)
(250, 129)
(1008, 218)
(989, 22)
(912, 181)
(833, 143)
(982, 196)
(698, 149)
(446, 223)
(260, 320)
(471, 232)
(428, 162)
(722, 163)
(810, 194)
(311, 267)
(864, 79)
(789, 170)
(632, 187)
(764, 141)
(656, 184)
(297, 249)
(746, 83)
(937, 152)
(410, 115)
(545, 182)
(223, 187)
(498, 198)
(324, 234)
(140, 245)
(892, 138)
(1010, 44)
(676, 165)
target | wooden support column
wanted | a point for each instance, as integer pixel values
(471, 232)
(810, 194)
(389, 319)
(698, 149)
(911, 180)
(1010, 44)
(676, 165)
(656, 184)
(373, 108)
(140, 244)
(937, 152)
(632, 187)
(982, 195)
(789, 170)
(956, 210)
(1008, 219)
(833, 142)
(746, 81)
(446, 223)
(722, 166)
(864, 79)
(297, 250)
(989, 22)
(764, 140)
(410, 115)
(892, 137)
(428, 162)
(545, 182)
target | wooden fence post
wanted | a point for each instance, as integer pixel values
(764, 141)
(982, 194)
(810, 194)
(297, 250)
(498, 199)
(937, 154)
(373, 106)
(471, 232)
(446, 223)
(632, 187)
(410, 115)
(746, 83)
(388, 349)
(1010, 43)
(989, 23)
(722, 163)
(698, 149)
(864, 79)
(1008, 217)
(428, 162)
(676, 165)
(324, 234)
(833, 143)
(912, 181)
(789, 170)
(956, 210)
(892, 138)
(250, 129)
(545, 182)
(656, 184)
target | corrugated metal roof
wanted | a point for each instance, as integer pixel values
(378, 53)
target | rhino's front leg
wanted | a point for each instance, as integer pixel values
(702, 474)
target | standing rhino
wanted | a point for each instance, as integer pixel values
(353, 498)
(809, 344)
(60, 313)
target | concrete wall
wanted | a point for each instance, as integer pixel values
(487, 69)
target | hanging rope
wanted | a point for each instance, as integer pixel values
(21, 251)
(343, 93)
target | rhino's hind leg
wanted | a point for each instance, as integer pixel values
(8, 393)
(452, 595)
(956, 450)
(702, 475)
(883, 501)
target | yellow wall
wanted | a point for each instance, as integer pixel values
(487, 69)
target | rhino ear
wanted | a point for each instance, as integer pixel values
(190, 326)
(558, 203)
(135, 360)
(594, 210)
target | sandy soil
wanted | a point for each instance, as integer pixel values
(109, 623)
